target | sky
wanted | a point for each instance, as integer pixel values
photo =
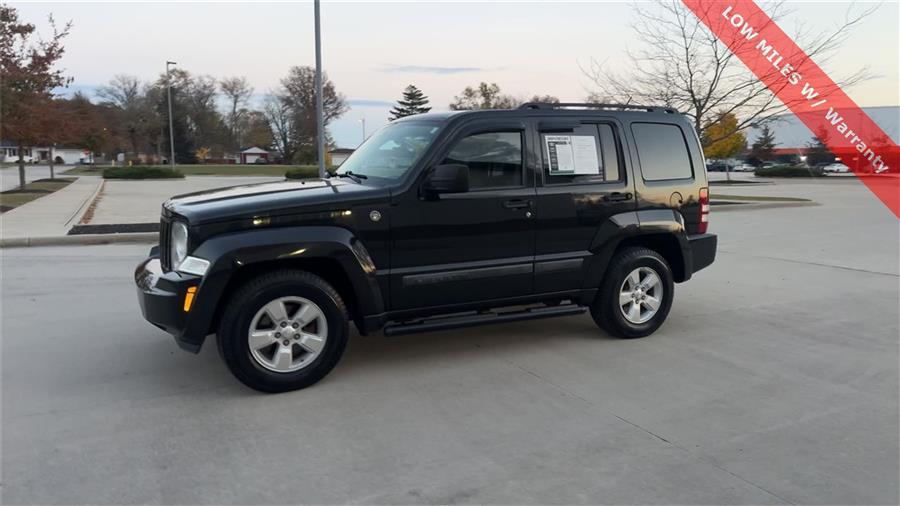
(372, 50)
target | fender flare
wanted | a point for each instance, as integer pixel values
(630, 225)
(228, 253)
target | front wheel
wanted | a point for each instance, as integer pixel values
(284, 330)
(636, 295)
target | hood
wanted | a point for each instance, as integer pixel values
(271, 199)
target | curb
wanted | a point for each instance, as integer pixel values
(746, 205)
(81, 240)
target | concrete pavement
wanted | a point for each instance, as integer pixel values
(51, 215)
(140, 201)
(9, 176)
(774, 381)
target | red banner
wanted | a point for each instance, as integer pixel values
(808, 92)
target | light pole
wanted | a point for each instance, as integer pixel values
(363, 121)
(320, 120)
(171, 129)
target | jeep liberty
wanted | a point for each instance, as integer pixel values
(438, 221)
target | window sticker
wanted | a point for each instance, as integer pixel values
(570, 155)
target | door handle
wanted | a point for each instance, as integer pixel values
(616, 197)
(517, 204)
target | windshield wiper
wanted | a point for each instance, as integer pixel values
(355, 177)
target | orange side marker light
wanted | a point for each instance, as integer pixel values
(189, 298)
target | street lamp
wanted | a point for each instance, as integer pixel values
(320, 121)
(171, 129)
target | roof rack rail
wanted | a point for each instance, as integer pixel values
(622, 107)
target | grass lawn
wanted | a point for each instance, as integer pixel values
(209, 170)
(11, 199)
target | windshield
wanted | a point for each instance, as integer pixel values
(391, 151)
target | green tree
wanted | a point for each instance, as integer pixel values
(730, 141)
(817, 152)
(29, 76)
(484, 96)
(413, 102)
(762, 149)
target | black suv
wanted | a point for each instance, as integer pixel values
(438, 221)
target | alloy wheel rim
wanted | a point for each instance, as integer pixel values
(641, 295)
(287, 334)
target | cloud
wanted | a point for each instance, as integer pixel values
(422, 69)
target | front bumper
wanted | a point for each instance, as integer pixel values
(161, 297)
(703, 250)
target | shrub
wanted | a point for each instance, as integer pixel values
(789, 171)
(141, 172)
(302, 173)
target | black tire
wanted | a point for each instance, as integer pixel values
(248, 299)
(606, 311)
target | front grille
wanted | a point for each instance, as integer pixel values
(164, 253)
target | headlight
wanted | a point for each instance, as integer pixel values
(178, 244)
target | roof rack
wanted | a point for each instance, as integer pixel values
(540, 106)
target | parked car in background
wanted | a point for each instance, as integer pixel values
(716, 167)
(744, 167)
(837, 168)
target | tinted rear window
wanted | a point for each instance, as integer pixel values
(662, 150)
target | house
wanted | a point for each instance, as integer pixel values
(338, 155)
(253, 155)
(61, 155)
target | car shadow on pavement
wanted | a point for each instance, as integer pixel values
(382, 356)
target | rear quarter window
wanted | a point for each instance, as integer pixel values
(662, 151)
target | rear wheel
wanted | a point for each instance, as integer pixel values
(636, 295)
(284, 330)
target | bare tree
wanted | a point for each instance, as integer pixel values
(484, 96)
(683, 65)
(291, 112)
(123, 91)
(280, 117)
(128, 95)
(238, 92)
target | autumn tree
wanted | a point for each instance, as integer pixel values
(238, 92)
(88, 124)
(729, 140)
(413, 102)
(484, 96)
(29, 76)
(763, 147)
(681, 64)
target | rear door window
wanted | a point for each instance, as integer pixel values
(662, 151)
(585, 154)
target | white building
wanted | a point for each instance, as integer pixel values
(61, 155)
(339, 155)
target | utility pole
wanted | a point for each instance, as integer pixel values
(320, 119)
(171, 129)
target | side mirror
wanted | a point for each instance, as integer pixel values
(449, 178)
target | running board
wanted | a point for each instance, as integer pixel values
(471, 320)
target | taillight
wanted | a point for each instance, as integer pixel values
(704, 210)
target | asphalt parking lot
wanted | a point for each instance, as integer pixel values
(774, 381)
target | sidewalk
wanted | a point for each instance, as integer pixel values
(51, 215)
(47, 220)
